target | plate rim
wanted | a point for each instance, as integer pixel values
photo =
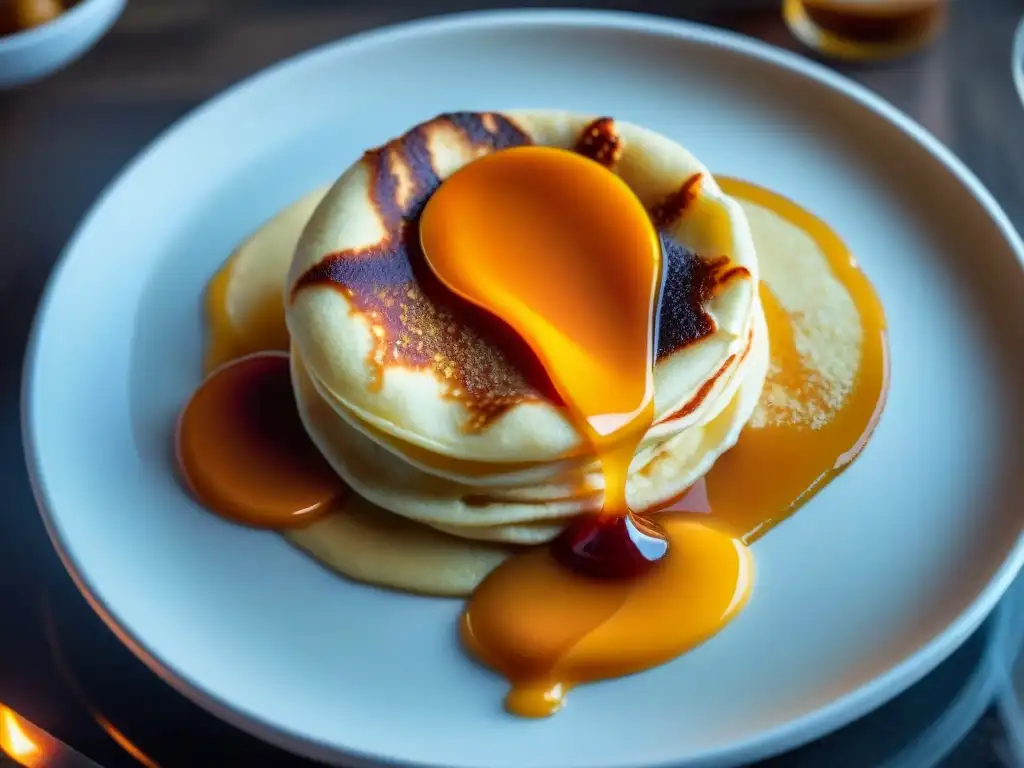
(774, 740)
(1017, 59)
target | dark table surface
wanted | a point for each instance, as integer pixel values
(63, 139)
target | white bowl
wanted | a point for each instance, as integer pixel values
(35, 53)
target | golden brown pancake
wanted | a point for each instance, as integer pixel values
(533, 513)
(244, 305)
(440, 416)
(385, 342)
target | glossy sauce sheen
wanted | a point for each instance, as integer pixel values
(773, 470)
(559, 248)
(594, 629)
(547, 628)
(534, 246)
(525, 234)
(244, 453)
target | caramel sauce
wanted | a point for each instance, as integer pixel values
(547, 628)
(510, 232)
(223, 342)
(244, 453)
(865, 29)
(532, 222)
(594, 605)
(419, 324)
(777, 467)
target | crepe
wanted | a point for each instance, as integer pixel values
(827, 331)
(384, 344)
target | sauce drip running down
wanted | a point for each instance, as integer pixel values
(561, 249)
(548, 628)
(243, 450)
(526, 234)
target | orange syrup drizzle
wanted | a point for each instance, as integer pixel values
(783, 465)
(559, 248)
(547, 628)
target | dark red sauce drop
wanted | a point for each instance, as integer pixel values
(608, 546)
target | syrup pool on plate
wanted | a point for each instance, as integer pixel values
(597, 590)
(243, 451)
(533, 221)
(826, 384)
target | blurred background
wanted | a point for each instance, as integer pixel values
(81, 93)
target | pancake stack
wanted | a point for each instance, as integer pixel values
(440, 418)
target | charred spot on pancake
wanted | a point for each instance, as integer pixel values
(489, 129)
(600, 141)
(414, 153)
(748, 346)
(729, 274)
(416, 322)
(674, 205)
(689, 281)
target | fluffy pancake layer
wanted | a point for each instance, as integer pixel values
(388, 348)
(437, 415)
(368, 543)
(533, 512)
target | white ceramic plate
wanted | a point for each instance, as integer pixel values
(865, 590)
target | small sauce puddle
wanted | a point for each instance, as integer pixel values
(243, 450)
(812, 422)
